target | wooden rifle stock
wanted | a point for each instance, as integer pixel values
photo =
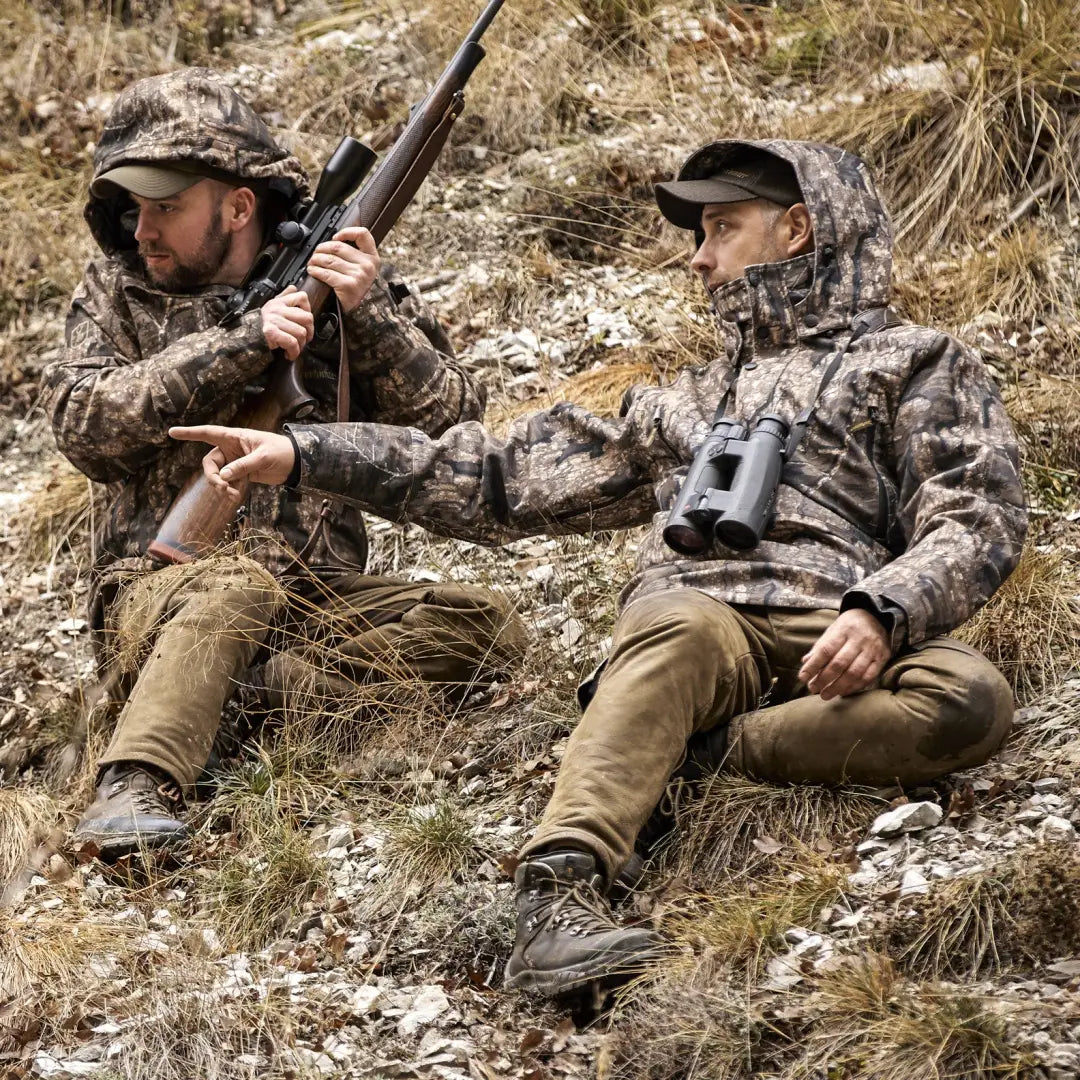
(199, 516)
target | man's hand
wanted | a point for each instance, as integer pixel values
(287, 322)
(848, 657)
(262, 457)
(348, 264)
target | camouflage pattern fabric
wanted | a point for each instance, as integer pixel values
(904, 496)
(138, 360)
(186, 116)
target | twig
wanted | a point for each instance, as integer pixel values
(1022, 208)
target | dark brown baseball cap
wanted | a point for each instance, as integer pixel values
(754, 175)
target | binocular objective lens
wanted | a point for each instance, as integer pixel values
(735, 534)
(684, 539)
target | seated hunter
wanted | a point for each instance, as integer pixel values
(801, 640)
(188, 183)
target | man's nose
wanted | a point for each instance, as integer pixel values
(701, 263)
(143, 228)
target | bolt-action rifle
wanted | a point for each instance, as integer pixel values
(199, 516)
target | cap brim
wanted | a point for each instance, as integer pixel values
(680, 201)
(146, 181)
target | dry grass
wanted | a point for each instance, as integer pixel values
(263, 877)
(861, 1020)
(1045, 410)
(28, 835)
(600, 390)
(686, 1022)
(1022, 912)
(49, 965)
(956, 929)
(60, 517)
(1030, 629)
(870, 1024)
(744, 922)
(429, 845)
(717, 832)
(1017, 277)
(1001, 124)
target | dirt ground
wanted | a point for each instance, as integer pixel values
(345, 908)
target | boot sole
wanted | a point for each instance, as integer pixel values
(113, 845)
(562, 979)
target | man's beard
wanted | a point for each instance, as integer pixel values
(201, 269)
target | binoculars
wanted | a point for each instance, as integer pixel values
(730, 491)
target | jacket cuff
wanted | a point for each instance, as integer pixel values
(294, 476)
(891, 615)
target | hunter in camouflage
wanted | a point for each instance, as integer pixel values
(145, 352)
(817, 655)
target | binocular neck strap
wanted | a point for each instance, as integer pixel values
(865, 322)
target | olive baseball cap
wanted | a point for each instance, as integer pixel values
(146, 181)
(754, 175)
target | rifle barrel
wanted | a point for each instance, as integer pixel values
(481, 24)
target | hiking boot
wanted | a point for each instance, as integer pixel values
(133, 808)
(565, 933)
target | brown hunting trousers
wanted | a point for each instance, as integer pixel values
(179, 640)
(682, 662)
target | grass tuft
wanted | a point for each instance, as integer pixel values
(259, 887)
(28, 835)
(869, 1023)
(986, 118)
(1022, 912)
(430, 845)
(1030, 629)
(716, 832)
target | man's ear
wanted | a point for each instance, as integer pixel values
(239, 208)
(799, 229)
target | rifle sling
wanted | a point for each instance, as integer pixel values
(328, 510)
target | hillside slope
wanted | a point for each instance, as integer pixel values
(345, 908)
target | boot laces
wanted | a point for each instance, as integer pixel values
(677, 791)
(579, 910)
(160, 799)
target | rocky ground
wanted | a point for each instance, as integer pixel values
(345, 908)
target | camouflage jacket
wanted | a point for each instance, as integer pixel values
(138, 360)
(904, 496)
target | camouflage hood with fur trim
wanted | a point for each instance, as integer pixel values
(904, 496)
(187, 117)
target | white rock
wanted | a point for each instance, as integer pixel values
(913, 883)
(862, 879)
(429, 1004)
(782, 973)
(907, 818)
(871, 847)
(1056, 830)
(812, 943)
(1047, 783)
(849, 922)
(341, 836)
(571, 633)
(48, 1066)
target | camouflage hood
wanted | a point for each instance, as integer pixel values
(187, 117)
(849, 269)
